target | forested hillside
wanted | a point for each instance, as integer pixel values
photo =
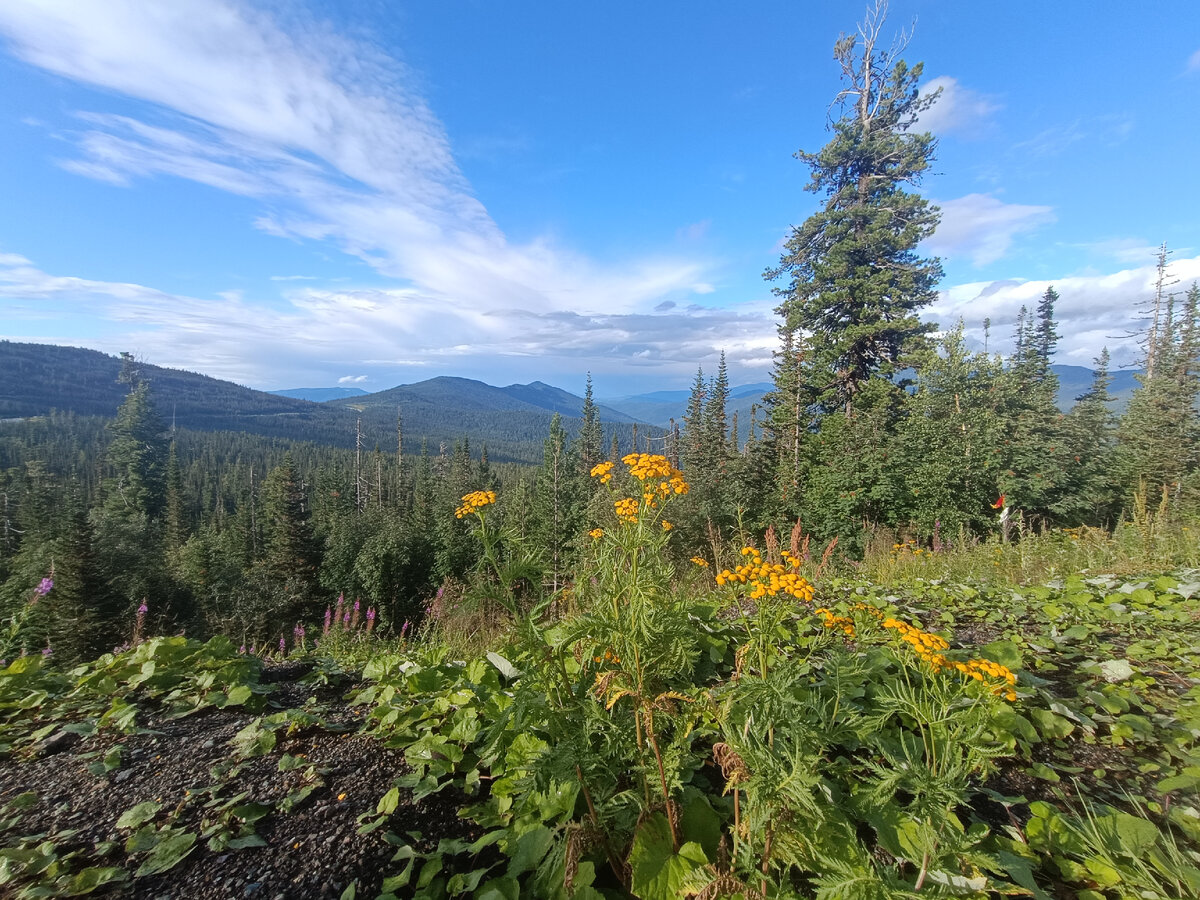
(511, 421)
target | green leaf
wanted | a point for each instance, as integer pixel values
(23, 801)
(502, 888)
(239, 695)
(1115, 670)
(700, 823)
(529, 850)
(246, 842)
(1123, 833)
(503, 666)
(388, 802)
(87, 880)
(1050, 725)
(350, 892)
(1178, 783)
(168, 853)
(1006, 653)
(656, 871)
(138, 815)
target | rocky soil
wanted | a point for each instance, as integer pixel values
(189, 767)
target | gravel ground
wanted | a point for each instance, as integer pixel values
(312, 850)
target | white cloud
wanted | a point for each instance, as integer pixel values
(389, 331)
(958, 109)
(1193, 63)
(982, 227)
(331, 136)
(353, 379)
(1093, 311)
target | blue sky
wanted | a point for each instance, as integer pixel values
(291, 194)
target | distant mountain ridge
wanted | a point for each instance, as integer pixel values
(513, 422)
(660, 407)
(319, 395)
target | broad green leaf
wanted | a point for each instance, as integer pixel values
(656, 871)
(529, 850)
(1050, 725)
(502, 888)
(1115, 670)
(239, 695)
(169, 853)
(87, 880)
(503, 666)
(388, 802)
(246, 842)
(138, 815)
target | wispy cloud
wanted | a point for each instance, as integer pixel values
(331, 135)
(983, 228)
(387, 332)
(1193, 63)
(957, 110)
(353, 379)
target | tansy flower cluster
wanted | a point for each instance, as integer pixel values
(603, 471)
(700, 561)
(651, 467)
(627, 509)
(609, 657)
(596, 533)
(766, 578)
(929, 646)
(473, 502)
(843, 623)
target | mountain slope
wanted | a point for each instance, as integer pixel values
(36, 378)
(320, 395)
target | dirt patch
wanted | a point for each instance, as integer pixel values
(188, 766)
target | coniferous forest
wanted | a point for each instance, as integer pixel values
(910, 630)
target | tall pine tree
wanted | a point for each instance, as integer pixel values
(855, 282)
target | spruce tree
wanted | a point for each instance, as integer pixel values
(591, 434)
(1089, 496)
(855, 282)
(137, 455)
(692, 452)
(291, 555)
(1158, 436)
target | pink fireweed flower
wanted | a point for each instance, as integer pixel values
(370, 618)
(282, 644)
(328, 619)
(404, 629)
(346, 618)
(143, 609)
(44, 587)
(298, 633)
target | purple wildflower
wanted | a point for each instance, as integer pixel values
(282, 644)
(346, 618)
(46, 651)
(328, 619)
(44, 587)
(404, 629)
(370, 619)
(143, 609)
(242, 649)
